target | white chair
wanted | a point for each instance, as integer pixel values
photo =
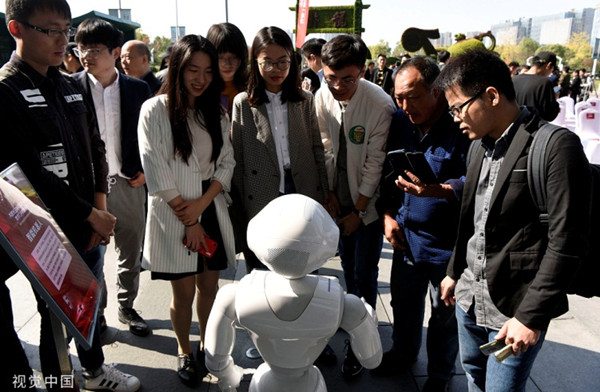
(569, 105)
(592, 151)
(579, 106)
(562, 114)
(570, 123)
(588, 125)
(594, 102)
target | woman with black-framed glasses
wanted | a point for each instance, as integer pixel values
(275, 136)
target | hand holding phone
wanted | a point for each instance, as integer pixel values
(210, 243)
(414, 162)
(421, 167)
(492, 347)
(498, 348)
(399, 163)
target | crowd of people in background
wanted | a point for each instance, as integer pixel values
(195, 150)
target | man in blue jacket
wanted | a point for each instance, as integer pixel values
(420, 222)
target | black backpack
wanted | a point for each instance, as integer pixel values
(585, 282)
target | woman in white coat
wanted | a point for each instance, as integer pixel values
(188, 163)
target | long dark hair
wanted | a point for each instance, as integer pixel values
(290, 89)
(207, 107)
(227, 38)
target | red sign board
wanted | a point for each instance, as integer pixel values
(35, 242)
(590, 116)
(302, 23)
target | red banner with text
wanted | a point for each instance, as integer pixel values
(302, 23)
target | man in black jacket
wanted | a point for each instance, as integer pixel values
(534, 89)
(382, 76)
(509, 271)
(135, 60)
(52, 134)
(117, 100)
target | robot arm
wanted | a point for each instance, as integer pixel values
(220, 338)
(365, 341)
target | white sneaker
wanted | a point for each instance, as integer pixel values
(112, 379)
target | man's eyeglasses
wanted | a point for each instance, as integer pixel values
(233, 60)
(456, 111)
(52, 33)
(92, 52)
(281, 65)
(344, 82)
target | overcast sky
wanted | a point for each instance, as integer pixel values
(385, 19)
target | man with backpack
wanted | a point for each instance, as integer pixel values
(510, 270)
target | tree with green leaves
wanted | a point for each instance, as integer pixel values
(382, 47)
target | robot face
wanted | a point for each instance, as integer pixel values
(293, 235)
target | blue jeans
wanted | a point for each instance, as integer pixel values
(360, 253)
(486, 373)
(408, 286)
(90, 359)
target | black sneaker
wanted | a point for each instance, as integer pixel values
(351, 367)
(137, 325)
(434, 384)
(327, 357)
(186, 369)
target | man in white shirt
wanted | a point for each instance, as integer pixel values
(354, 118)
(117, 101)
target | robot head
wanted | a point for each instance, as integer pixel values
(293, 235)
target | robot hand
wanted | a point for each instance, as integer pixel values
(231, 380)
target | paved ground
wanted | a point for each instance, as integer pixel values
(568, 361)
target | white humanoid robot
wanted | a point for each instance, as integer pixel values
(289, 314)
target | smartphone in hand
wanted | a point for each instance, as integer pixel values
(421, 167)
(414, 162)
(399, 163)
(210, 243)
(492, 347)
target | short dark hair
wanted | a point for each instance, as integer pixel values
(344, 50)
(543, 58)
(428, 69)
(69, 49)
(290, 89)
(443, 56)
(98, 31)
(475, 70)
(382, 55)
(513, 64)
(313, 46)
(21, 10)
(227, 38)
